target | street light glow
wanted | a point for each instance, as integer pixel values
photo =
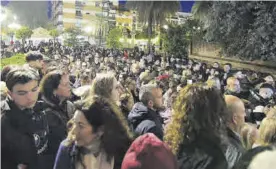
(88, 29)
(14, 26)
(3, 17)
(166, 27)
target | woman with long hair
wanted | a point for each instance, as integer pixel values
(106, 85)
(249, 135)
(267, 132)
(97, 138)
(197, 129)
(55, 91)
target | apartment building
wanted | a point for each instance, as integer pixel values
(179, 18)
(83, 13)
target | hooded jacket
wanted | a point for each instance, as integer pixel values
(144, 120)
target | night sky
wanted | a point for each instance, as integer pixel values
(40, 11)
(186, 6)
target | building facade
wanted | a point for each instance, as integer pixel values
(83, 13)
(179, 18)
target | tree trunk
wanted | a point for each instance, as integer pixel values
(150, 19)
(149, 32)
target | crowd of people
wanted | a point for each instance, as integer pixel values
(94, 108)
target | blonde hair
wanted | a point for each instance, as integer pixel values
(230, 81)
(3, 89)
(212, 82)
(188, 120)
(271, 112)
(102, 85)
(267, 131)
(247, 135)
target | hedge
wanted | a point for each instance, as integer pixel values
(18, 59)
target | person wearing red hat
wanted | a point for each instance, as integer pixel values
(148, 152)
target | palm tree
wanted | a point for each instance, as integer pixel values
(201, 9)
(153, 12)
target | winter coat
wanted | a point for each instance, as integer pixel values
(234, 149)
(241, 95)
(144, 120)
(24, 137)
(256, 100)
(201, 154)
(67, 157)
(58, 117)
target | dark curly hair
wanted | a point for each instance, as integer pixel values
(198, 110)
(116, 137)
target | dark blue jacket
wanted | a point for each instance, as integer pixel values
(66, 156)
(143, 120)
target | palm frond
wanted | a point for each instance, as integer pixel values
(201, 8)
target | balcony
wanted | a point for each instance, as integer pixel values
(79, 16)
(79, 4)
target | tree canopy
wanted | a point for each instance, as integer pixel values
(153, 12)
(177, 38)
(113, 38)
(23, 33)
(54, 33)
(71, 36)
(245, 29)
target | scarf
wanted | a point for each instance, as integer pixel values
(94, 157)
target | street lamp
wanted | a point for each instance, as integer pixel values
(88, 29)
(196, 28)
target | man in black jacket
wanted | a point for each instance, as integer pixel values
(144, 116)
(24, 136)
(234, 88)
(235, 121)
